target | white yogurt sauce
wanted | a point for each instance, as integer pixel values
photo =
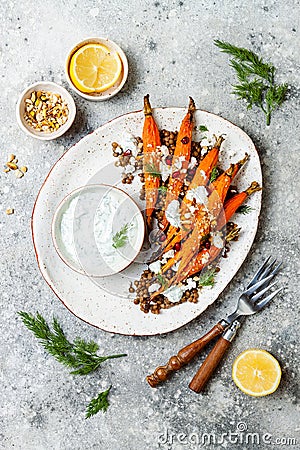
(106, 220)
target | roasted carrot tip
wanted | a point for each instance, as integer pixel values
(254, 187)
(147, 106)
(192, 106)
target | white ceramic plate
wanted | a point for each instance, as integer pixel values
(106, 302)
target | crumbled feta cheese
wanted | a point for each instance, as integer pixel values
(193, 163)
(205, 258)
(217, 240)
(167, 255)
(129, 168)
(155, 267)
(173, 214)
(199, 194)
(190, 284)
(164, 150)
(174, 293)
(153, 287)
(128, 142)
(165, 170)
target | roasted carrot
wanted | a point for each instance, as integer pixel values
(151, 140)
(215, 205)
(202, 260)
(230, 208)
(182, 153)
(200, 178)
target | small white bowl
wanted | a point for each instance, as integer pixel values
(84, 224)
(109, 93)
(47, 86)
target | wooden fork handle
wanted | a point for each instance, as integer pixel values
(184, 356)
(210, 364)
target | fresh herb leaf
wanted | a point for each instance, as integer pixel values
(244, 209)
(163, 189)
(79, 355)
(214, 174)
(120, 238)
(152, 170)
(162, 280)
(207, 278)
(100, 403)
(256, 79)
(203, 128)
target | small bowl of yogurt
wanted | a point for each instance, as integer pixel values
(98, 230)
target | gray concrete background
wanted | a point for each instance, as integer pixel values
(171, 55)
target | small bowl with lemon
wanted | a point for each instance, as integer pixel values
(96, 68)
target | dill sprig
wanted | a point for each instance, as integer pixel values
(152, 170)
(79, 355)
(121, 237)
(256, 79)
(97, 404)
(162, 280)
(207, 278)
(244, 209)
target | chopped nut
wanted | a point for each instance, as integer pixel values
(46, 111)
(23, 169)
(10, 211)
(12, 165)
(11, 157)
(19, 173)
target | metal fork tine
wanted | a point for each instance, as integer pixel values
(257, 285)
(268, 269)
(261, 293)
(276, 270)
(258, 273)
(267, 300)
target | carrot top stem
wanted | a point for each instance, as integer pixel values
(147, 106)
(244, 160)
(218, 141)
(254, 187)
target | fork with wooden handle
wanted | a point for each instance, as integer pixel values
(250, 302)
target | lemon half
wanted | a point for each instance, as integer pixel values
(256, 372)
(95, 68)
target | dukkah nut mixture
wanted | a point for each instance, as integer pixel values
(45, 111)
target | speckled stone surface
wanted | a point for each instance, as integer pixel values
(171, 55)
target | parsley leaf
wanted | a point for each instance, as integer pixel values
(214, 174)
(203, 128)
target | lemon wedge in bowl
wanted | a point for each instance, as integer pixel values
(256, 372)
(94, 68)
